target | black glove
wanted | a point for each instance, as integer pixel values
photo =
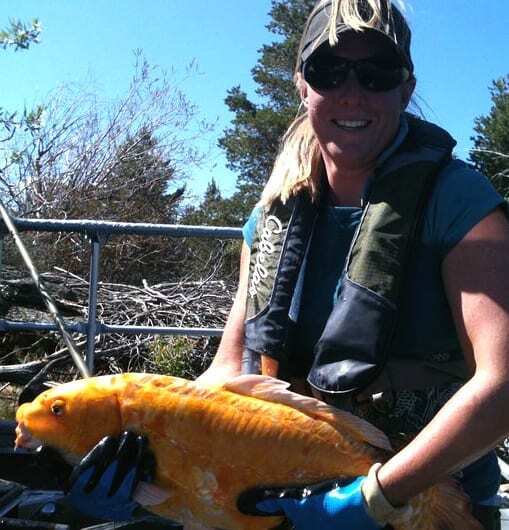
(103, 483)
(42, 469)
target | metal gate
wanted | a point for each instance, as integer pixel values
(97, 232)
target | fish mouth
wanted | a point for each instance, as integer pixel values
(25, 439)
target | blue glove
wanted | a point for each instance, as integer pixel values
(102, 484)
(326, 506)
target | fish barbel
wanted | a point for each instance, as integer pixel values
(213, 443)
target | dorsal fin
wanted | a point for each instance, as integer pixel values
(276, 391)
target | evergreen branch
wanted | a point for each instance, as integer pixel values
(20, 35)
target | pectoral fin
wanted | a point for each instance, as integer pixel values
(195, 525)
(148, 494)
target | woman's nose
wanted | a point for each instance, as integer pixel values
(350, 88)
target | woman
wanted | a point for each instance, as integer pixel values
(403, 320)
(355, 81)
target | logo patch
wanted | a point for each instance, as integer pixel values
(266, 247)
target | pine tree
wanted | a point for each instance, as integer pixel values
(491, 143)
(205, 255)
(138, 190)
(137, 187)
(213, 210)
(251, 144)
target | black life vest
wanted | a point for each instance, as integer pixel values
(353, 352)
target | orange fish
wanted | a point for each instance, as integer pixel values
(213, 443)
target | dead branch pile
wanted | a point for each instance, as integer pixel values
(198, 304)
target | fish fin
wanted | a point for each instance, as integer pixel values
(276, 391)
(446, 506)
(148, 494)
(196, 526)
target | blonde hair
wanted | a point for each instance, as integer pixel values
(349, 13)
(299, 164)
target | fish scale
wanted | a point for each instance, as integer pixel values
(212, 444)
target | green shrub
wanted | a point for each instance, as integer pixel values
(178, 356)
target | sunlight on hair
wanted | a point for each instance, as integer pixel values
(350, 12)
(298, 166)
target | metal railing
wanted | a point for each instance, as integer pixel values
(97, 232)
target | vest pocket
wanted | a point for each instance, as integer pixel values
(352, 350)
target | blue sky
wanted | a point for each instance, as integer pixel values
(459, 47)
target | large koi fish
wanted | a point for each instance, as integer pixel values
(213, 443)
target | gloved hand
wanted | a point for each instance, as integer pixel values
(103, 483)
(327, 506)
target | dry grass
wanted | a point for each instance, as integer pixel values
(8, 401)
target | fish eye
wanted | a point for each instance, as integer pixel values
(57, 408)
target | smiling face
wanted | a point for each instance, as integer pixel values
(352, 124)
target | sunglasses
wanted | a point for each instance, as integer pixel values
(377, 74)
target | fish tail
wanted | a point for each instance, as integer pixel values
(443, 507)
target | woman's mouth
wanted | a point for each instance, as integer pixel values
(351, 125)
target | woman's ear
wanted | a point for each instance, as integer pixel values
(406, 92)
(303, 90)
